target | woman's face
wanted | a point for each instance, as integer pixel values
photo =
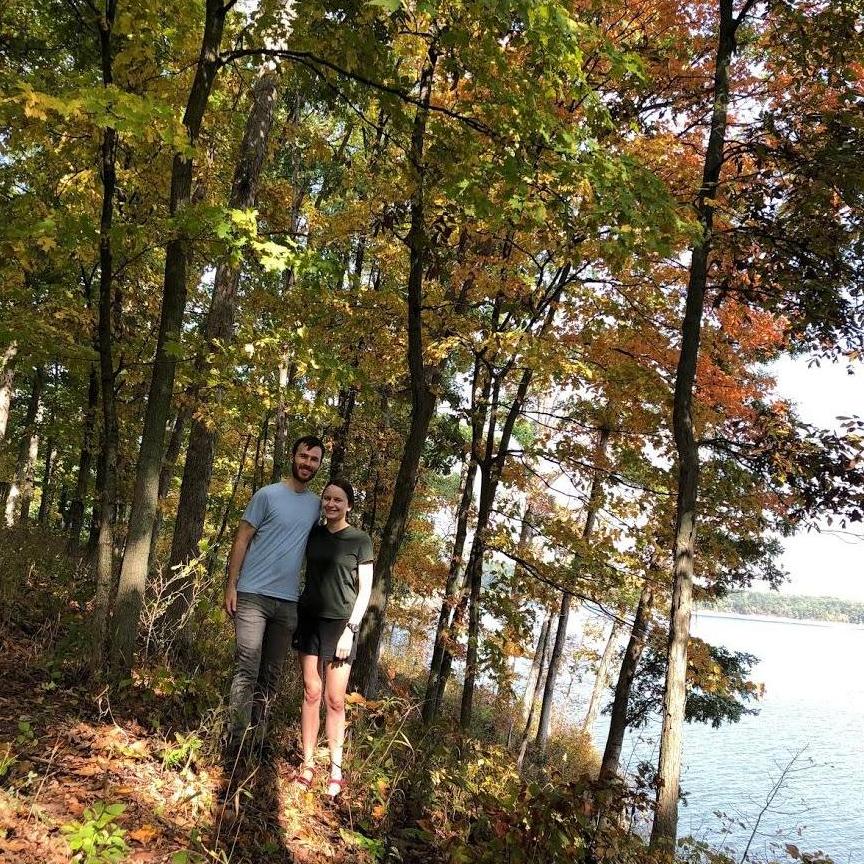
(334, 502)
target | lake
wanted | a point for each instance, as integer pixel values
(813, 706)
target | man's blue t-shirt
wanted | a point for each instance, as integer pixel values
(283, 519)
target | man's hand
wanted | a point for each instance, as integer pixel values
(242, 538)
(230, 599)
(343, 648)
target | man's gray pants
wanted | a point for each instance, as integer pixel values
(264, 628)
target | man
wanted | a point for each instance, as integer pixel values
(263, 586)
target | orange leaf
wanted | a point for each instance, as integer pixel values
(144, 834)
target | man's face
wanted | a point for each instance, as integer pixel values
(306, 462)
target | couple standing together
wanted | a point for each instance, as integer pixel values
(279, 530)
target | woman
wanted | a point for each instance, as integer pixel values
(332, 605)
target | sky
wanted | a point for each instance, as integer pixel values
(831, 562)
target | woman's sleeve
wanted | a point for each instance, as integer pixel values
(365, 555)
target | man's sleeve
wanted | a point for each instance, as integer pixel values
(256, 510)
(365, 554)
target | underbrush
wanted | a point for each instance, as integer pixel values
(463, 796)
(415, 794)
(42, 587)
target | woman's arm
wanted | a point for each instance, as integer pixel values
(364, 592)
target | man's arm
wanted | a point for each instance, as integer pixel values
(242, 538)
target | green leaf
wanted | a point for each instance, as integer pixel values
(390, 6)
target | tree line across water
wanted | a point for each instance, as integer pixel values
(521, 264)
(803, 608)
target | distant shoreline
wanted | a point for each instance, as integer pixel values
(775, 619)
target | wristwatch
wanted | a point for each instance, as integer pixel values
(354, 628)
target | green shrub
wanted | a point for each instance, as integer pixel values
(96, 839)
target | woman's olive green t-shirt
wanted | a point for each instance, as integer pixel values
(332, 563)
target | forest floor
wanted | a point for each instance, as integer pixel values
(79, 769)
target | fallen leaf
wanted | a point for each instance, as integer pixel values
(73, 805)
(144, 834)
(142, 856)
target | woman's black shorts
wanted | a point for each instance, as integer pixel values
(320, 637)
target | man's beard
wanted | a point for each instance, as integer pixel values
(296, 474)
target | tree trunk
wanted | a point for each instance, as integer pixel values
(536, 665)
(76, 506)
(226, 513)
(545, 721)
(178, 252)
(348, 395)
(531, 683)
(287, 369)
(543, 651)
(47, 474)
(63, 507)
(7, 383)
(455, 575)
(26, 481)
(169, 463)
(347, 400)
(632, 656)
(452, 594)
(491, 469)
(665, 827)
(287, 374)
(110, 433)
(260, 455)
(203, 435)
(21, 491)
(424, 396)
(488, 487)
(601, 681)
(564, 614)
(96, 514)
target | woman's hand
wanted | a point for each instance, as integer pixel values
(343, 648)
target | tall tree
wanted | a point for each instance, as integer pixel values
(200, 453)
(497, 450)
(592, 509)
(601, 679)
(110, 432)
(453, 591)
(7, 380)
(133, 573)
(626, 674)
(21, 492)
(85, 460)
(663, 832)
(424, 381)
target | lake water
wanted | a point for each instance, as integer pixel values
(813, 706)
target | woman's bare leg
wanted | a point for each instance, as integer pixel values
(334, 698)
(310, 712)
